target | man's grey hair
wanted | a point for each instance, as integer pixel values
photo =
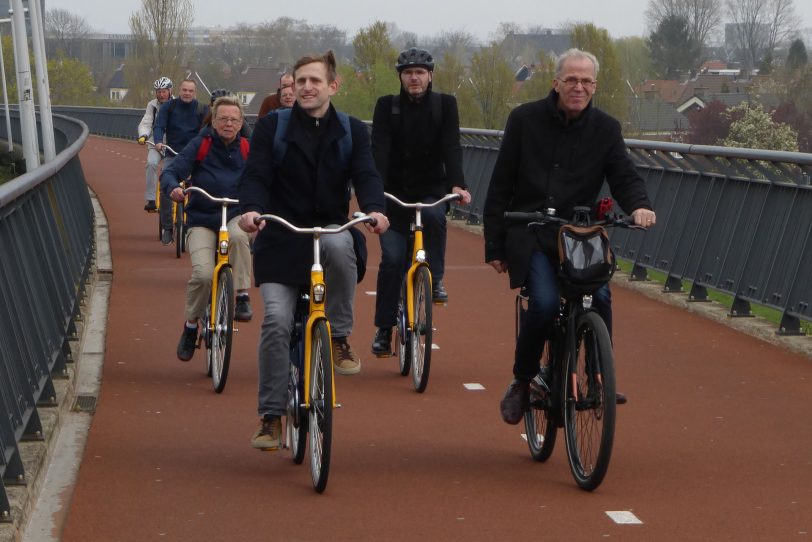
(576, 54)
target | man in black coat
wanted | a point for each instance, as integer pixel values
(555, 154)
(309, 187)
(416, 145)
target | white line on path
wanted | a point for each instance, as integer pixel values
(624, 517)
(473, 386)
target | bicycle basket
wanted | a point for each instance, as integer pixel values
(586, 258)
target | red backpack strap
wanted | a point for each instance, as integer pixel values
(244, 146)
(203, 150)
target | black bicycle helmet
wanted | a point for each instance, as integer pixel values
(219, 93)
(414, 57)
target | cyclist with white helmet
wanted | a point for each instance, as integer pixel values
(163, 93)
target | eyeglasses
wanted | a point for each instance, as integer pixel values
(228, 120)
(572, 82)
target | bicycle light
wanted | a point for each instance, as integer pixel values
(421, 256)
(318, 293)
(224, 247)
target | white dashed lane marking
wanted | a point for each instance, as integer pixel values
(473, 386)
(624, 517)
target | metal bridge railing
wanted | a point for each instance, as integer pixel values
(46, 238)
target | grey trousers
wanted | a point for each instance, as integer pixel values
(153, 159)
(338, 260)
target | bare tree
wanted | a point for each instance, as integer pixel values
(703, 16)
(160, 30)
(66, 29)
(760, 25)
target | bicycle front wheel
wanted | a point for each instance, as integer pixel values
(589, 411)
(422, 331)
(179, 230)
(320, 422)
(223, 328)
(539, 420)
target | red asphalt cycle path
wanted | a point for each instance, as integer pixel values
(714, 443)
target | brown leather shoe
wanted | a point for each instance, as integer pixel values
(515, 402)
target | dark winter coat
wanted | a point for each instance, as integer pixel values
(311, 187)
(180, 122)
(417, 155)
(218, 174)
(546, 162)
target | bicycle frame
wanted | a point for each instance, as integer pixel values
(419, 258)
(318, 291)
(222, 245)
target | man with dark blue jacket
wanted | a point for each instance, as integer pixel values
(217, 172)
(309, 186)
(180, 120)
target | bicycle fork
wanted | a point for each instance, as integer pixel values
(318, 298)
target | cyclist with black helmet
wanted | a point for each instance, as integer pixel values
(163, 93)
(416, 145)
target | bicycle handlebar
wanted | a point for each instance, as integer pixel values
(167, 147)
(279, 220)
(224, 201)
(541, 218)
(419, 205)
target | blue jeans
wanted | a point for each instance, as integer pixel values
(542, 290)
(395, 261)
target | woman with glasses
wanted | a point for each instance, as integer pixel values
(214, 161)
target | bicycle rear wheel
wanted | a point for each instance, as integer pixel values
(320, 423)
(179, 230)
(589, 412)
(403, 339)
(205, 331)
(422, 331)
(296, 423)
(539, 421)
(223, 328)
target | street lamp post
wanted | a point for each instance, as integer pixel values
(28, 116)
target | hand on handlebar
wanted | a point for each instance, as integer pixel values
(381, 223)
(177, 194)
(249, 222)
(465, 196)
(644, 217)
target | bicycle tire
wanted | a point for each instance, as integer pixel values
(539, 421)
(205, 331)
(296, 417)
(320, 415)
(422, 332)
(402, 338)
(223, 328)
(296, 422)
(178, 231)
(589, 410)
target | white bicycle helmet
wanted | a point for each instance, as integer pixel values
(163, 82)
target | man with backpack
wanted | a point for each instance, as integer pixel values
(303, 164)
(416, 145)
(179, 121)
(163, 93)
(213, 161)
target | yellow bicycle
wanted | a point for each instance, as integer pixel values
(414, 329)
(311, 387)
(178, 212)
(218, 320)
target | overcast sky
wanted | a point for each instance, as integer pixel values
(423, 17)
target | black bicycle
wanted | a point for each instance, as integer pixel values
(575, 387)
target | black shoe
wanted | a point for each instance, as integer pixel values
(620, 398)
(438, 293)
(166, 237)
(382, 343)
(150, 206)
(515, 402)
(242, 310)
(187, 344)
